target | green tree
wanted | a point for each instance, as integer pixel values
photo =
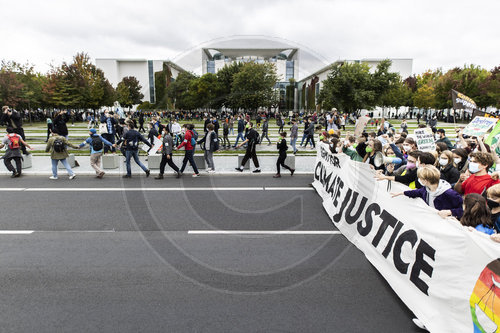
(204, 91)
(424, 97)
(179, 91)
(129, 91)
(348, 88)
(11, 89)
(490, 88)
(254, 87)
(225, 77)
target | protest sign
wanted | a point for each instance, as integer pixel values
(157, 144)
(425, 139)
(479, 126)
(360, 125)
(448, 276)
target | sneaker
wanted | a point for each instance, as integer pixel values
(72, 177)
(18, 175)
(53, 177)
(277, 175)
(256, 171)
(196, 175)
(101, 174)
(292, 172)
(211, 171)
(147, 173)
(419, 324)
(208, 170)
(160, 176)
(126, 176)
(239, 169)
(13, 175)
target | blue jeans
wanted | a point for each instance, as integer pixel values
(66, 165)
(231, 130)
(304, 136)
(135, 154)
(293, 142)
(240, 135)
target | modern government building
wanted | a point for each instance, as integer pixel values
(292, 61)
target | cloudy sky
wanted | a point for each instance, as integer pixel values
(438, 33)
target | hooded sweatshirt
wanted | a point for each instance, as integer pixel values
(442, 199)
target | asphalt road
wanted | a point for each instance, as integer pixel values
(131, 257)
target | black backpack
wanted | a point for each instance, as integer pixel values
(59, 145)
(97, 143)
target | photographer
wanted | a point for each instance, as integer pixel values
(13, 119)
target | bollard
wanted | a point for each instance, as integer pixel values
(71, 161)
(240, 159)
(27, 161)
(110, 161)
(154, 161)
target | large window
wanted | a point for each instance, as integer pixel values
(211, 66)
(289, 70)
(151, 82)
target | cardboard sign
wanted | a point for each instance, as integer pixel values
(360, 125)
(425, 139)
(479, 126)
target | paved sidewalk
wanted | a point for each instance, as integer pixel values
(41, 166)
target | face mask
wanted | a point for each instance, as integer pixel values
(443, 161)
(417, 164)
(410, 165)
(473, 167)
(421, 181)
(407, 148)
(437, 136)
(492, 204)
(369, 149)
(457, 160)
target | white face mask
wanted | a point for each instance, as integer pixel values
(437, 136)
(417, 164)
(421, 181)
(407, 148)
(457, 160)
(443, 161)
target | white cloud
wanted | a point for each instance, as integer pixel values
(434, 33)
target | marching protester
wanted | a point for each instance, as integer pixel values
(447, 167)
(50, 128)
(131, 141)
(294, 134)
(57, 145)
(477, 179)
(225, 135)
(108, 129)
(13, 142)
(209, 145)
(477, 214)
(441, 137)
(96, 143)
(251, 140)
(436, 193)
(265, 132)
(461, 159)
(493, 199)
(166, 154)
(282, 147)
(374, 150)
(13, 119)
(241, 129)
(189, 143)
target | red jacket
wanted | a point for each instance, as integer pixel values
(187, 141)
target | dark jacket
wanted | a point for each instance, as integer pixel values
(168, 145)
(208, 143)
(447, 141)
(241, 126)
(132, 138)
(13, 120)
(448, 199)
(60, 124)
(450, 174)
(282, 146)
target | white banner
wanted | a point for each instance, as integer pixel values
(447, 275)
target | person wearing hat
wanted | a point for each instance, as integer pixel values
(441, 137)
(96, 143)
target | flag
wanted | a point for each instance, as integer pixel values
(460, 101)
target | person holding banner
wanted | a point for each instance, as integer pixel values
(436, 193)
(477, 214)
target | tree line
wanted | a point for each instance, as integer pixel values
(353, 86)
(75, 85)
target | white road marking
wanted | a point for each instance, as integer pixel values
(16, 232)
(263, 232)
(152, 189)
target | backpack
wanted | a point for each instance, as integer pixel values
(14, 141)
(194, 137)
(97, 143)
(59, 145)
(216, 142)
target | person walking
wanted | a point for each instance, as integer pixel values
(294, 135)
(231, 125)
(166, 154)
(209, 145)
(241, 129)
(251, 140)
(50, 128)
(57, 145)
(189, 143)
(96, 143)
(141, 122)
(282, 147)
(13, 119)
(310, 134)
(109, 122)
(225, 134)
(13, 141)
(265, 131)
(131, 139)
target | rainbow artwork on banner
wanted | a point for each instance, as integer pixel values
(485, 300)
